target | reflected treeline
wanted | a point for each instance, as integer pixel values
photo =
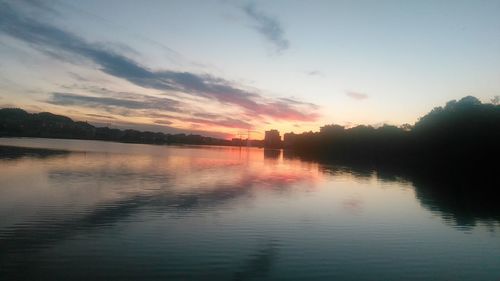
(12, 152)
(458, 200)
(259, 264)
(462, 199)
(462, 137)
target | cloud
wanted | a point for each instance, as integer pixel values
(132, 104)
(298, 103)
(205, 119)
(68, 46)
(356, 95)
(52, 40)
(145, 106)
(99, 116)
(267, 26)
(140, 101)
(315, 73)
(78, 77)
(222, 122)
(163, 122)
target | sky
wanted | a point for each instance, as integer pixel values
(219, 67)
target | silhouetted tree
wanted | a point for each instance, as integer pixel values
(463, 133)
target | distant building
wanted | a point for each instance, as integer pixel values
(272, 139)
(237, 142)
(257, 143)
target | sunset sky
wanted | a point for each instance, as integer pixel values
(221, 67)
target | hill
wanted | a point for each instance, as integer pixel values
(15, 122)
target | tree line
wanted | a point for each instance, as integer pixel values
(463, 135)
(15, 122)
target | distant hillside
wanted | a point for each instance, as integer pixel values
(15, 122)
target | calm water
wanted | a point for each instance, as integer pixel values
(109, 211)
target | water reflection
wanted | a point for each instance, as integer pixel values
(227, 214)
(463, 202)
(12, 152)
(272, 153)
(174, 186)
(258, 264)
(460, 199)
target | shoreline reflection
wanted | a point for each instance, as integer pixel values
(227, 214)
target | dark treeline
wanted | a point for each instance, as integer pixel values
(461, 136)
(463, 133)
(16, 122)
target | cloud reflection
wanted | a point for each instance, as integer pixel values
(160, 196)
(185, 187)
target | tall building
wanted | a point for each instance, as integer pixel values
(272, 139)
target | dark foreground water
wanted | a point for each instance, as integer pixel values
(89, 210)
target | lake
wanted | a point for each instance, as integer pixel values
(91, 210)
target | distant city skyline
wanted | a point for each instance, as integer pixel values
(221, 67)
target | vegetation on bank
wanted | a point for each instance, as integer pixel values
(464, 133)
(15, 122)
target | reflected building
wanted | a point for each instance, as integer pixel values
(272, 153)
